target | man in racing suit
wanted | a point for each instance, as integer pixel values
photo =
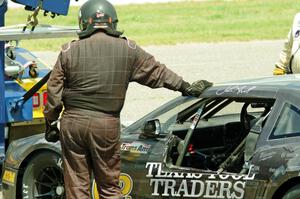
(89, 80)
(289, 58)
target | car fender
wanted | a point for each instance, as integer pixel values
(21, 149)
(288, 173)
(281, 184)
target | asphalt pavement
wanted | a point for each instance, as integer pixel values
(216, 62)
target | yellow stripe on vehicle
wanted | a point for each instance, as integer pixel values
(27, 84)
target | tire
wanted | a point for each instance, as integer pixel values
(292, 193)
(43, 177)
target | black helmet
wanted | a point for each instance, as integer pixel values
(97, 14)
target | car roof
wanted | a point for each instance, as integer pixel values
(258, 87)
(279, 80)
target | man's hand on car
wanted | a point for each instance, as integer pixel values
(196, 88)
(52, 131)
(279, 71)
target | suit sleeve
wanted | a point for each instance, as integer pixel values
(286, 53)
(147, 71)
(55, 87)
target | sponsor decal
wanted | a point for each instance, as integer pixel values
(279, 172)
(238, 90)
(288, 155)
(195, 185)
(99, 14)
(136, 147)
(9, 177)
(126, 185)
(266, 155)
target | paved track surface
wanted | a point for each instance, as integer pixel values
(216, 62)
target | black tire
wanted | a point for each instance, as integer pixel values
(43, 177)
(292, 193)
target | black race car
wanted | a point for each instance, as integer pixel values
(238, 140)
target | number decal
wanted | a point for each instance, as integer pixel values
(126, 185)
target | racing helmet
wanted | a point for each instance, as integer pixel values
(97, 14)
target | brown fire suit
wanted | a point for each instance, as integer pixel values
(89, 80)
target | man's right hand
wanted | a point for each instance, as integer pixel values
(196, 88)
(52, 131)
(279, 71)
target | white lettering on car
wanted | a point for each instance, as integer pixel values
(155, 184)
(59, 163)
(225, 189)
(25, 191)
(211, 186)
(195, 185)
(235, 90)
(169, 187)
(239, 190)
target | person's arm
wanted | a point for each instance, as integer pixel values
(147, 71)
(281, 67)
(55, 87)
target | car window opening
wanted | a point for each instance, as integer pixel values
(225, 136)
(287, 124)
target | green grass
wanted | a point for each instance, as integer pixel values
(186, 22)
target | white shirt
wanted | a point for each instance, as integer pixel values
(291, 51)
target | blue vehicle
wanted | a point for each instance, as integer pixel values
(23, 75)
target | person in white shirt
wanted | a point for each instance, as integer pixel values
(289, 58)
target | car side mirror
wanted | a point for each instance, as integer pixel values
(151, 129)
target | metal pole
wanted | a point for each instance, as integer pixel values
(3, 8)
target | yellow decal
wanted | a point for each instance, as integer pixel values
(126, 185)
(9, 176)
(27, 84)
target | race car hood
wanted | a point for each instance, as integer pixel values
(18, 150)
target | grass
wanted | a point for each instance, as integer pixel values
(185, 22)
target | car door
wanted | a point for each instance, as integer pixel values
(176, 179)
(277, 154)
